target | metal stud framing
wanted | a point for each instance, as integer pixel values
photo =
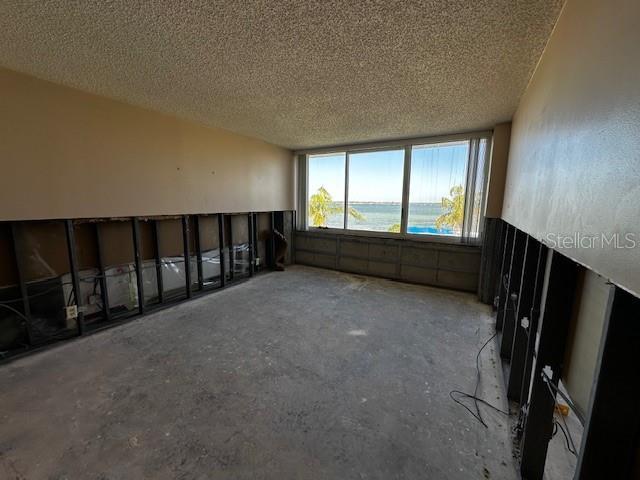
(187, 255)
(610, 440)
(503, 278)
(196, 234)
(523, 317)
(111, 320)
(158, 260)
(252, 252)
(135, 224)
(24, 293)
(104, 291)
(73, 266)
(512, 293)
(553, 333)
(223, 274)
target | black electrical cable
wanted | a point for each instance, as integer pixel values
(476, 400)
(567, 438)
(21, 315)
(556, 390)
(571, 446)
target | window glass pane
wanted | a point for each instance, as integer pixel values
(437, 188)
(375, 190)
(477, 208)
(326, 190)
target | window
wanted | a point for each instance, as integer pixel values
(326, 190)
(440, 191)
(375, 191)
(437, 188)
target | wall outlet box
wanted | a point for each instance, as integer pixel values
(72, 312)
(257, 261)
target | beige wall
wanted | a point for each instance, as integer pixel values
(574, 162)
(68, 154)
(498, 170)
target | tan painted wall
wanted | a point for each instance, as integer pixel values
(498, 171)
(69, 154)
(574, 163)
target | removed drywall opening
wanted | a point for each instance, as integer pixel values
(209, 239)
(172, 261)
(64, 278)
(119, 267)
(13, 332)
(42, 259)
(263, 237)
(240, 248)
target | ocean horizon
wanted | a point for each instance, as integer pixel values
(382, 216)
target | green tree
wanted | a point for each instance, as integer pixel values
(454, 210)
(322, 206)
(395, 228)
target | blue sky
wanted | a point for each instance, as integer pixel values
(377, 176)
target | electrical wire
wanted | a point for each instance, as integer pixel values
(571, 446)
(556, 390)
(21, 315)
(476, 400)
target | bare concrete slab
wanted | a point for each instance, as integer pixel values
(305, 374)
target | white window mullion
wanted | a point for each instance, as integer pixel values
(346, 190)
(405, 190)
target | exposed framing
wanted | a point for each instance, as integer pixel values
(110, 320)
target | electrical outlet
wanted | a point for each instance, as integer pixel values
(257, 261)
(72, 312)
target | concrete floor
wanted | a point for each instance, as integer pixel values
(306, 374)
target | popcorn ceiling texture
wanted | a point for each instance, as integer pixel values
(297, 73)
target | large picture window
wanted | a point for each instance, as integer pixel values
(437, 188)
(422, 189)
(375, 191)
(326, 190)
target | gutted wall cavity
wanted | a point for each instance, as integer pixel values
(584, 339)
(65, 278)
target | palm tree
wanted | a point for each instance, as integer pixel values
(322, 206)
(454, 210)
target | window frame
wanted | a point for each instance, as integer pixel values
(407, 145)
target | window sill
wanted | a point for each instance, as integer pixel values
(424, 238)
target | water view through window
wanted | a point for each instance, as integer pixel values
(437, 189)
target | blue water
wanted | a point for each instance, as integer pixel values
(381, 217)
(432, 230)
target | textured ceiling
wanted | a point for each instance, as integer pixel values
(294, 73)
